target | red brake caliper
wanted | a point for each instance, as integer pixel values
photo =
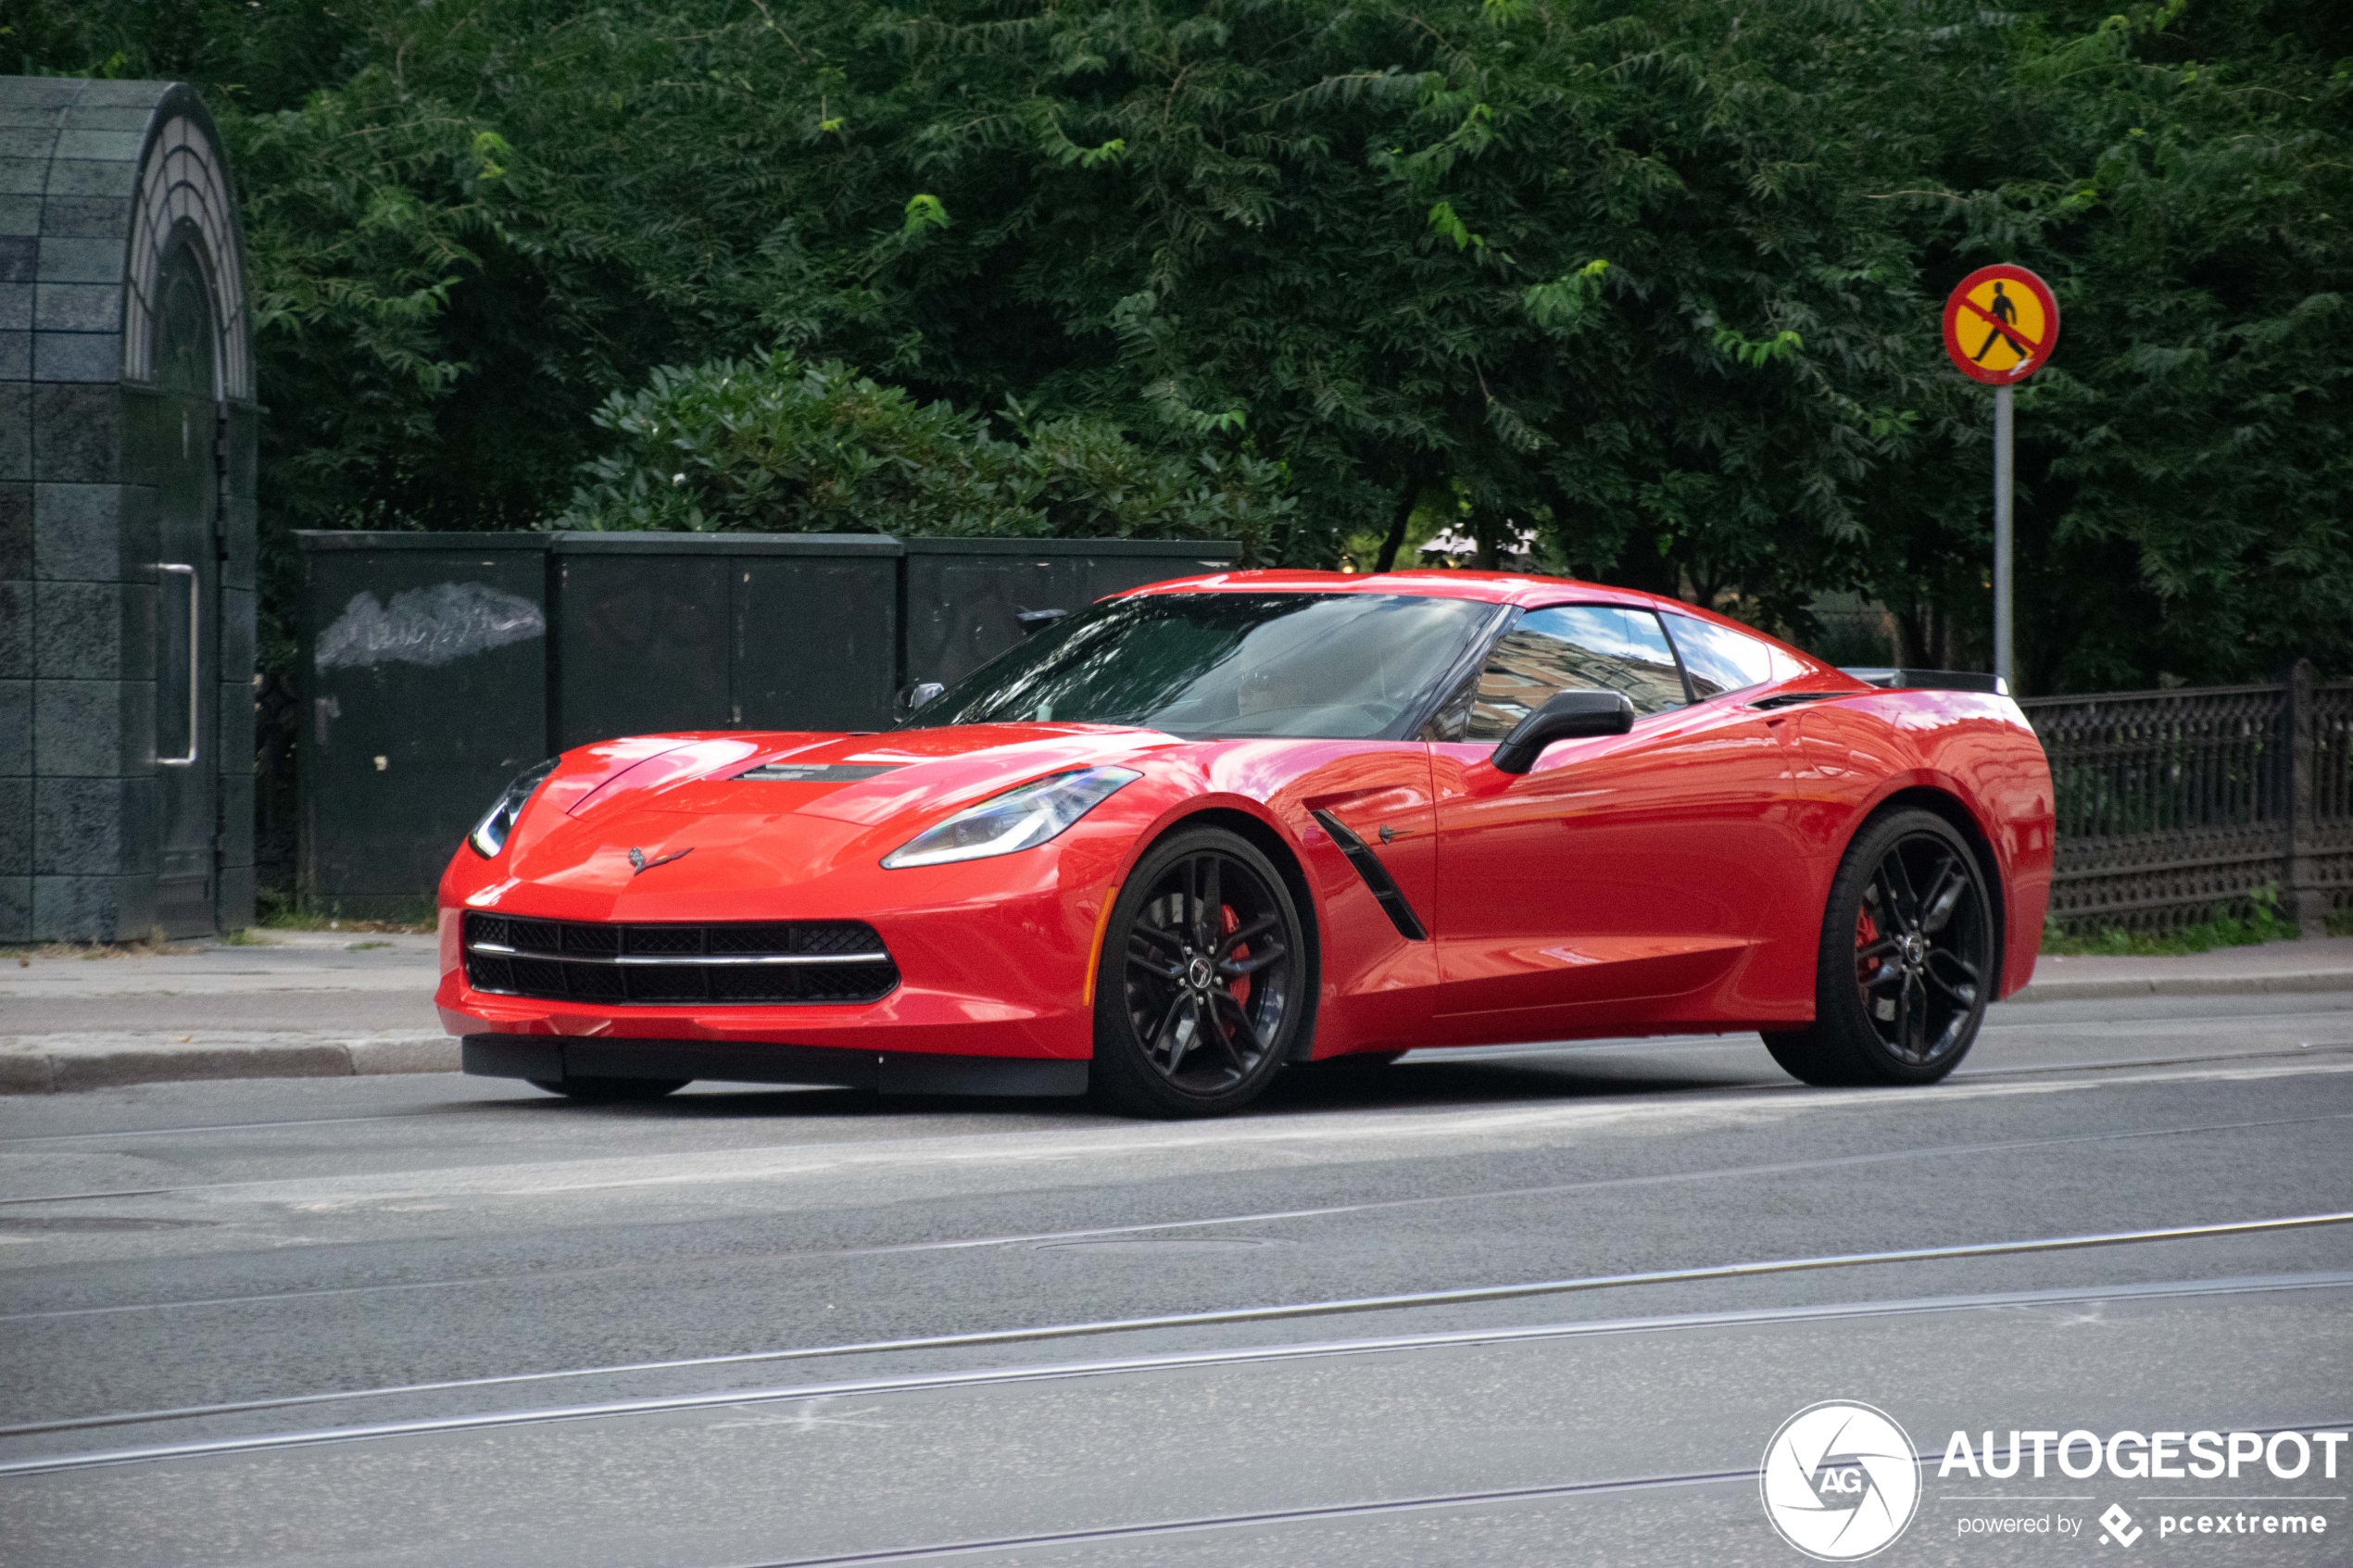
(1229, 922)
(1865, 933)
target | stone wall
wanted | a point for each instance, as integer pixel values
(102, 183)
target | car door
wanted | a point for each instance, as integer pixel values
(1619, 868)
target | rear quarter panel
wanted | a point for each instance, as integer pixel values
(1858, 754)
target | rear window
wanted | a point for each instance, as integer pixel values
(1719, 660)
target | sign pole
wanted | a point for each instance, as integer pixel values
(2005, 470)
(2013, 320)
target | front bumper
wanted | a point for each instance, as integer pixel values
(550, 1060)
(990, 961)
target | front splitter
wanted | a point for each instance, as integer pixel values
(552, 1059)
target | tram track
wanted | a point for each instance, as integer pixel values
(1463, 1295)
(1275, 1518)
(1063, 1371)
(1680, 1235)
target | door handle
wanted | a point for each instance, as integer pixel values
(196, 666)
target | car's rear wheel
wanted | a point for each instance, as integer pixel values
(1907, 962)
(1200, 987)
(611, 1090)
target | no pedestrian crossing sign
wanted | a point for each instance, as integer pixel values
(2001, 324)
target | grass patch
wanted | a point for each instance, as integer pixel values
(281, 911)
(2261, 923)
(156, 943)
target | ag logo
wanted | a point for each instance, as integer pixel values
(1840, 1480)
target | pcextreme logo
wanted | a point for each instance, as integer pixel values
(1839, 1480)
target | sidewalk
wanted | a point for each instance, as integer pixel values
(2326, 965)
(302, 1004)
(313, 1004)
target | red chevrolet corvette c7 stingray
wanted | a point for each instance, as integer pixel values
(1196, 833)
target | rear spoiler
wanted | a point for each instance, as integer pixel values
(1930, 680)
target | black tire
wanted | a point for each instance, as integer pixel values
(611, 1091)
(1906, 961)
(1204, 981)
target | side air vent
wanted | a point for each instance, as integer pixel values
(667, 965)
(1360, 855)
(1794, 699)
(1928, 680)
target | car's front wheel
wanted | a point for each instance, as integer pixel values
(1201, 985)
(1906, 963)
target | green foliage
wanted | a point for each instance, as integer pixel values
(279, 908)
(769, 444)
(925, 212)
(2258, 921)
(1362, 243)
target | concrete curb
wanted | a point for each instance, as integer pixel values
(2092, 989)
(65, 1064)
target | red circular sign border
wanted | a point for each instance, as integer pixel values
(2008, 274)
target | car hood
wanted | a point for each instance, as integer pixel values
(757, 810)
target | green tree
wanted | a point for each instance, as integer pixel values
(1662, 278)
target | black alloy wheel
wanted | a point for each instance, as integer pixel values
(1906, 963)
(1201, 983)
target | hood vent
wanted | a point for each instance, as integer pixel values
(816, 772)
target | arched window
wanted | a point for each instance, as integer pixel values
(185, 337)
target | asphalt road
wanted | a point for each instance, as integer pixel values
(747, 1327)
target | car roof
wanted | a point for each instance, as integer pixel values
(1527, 590)
(1489, 587)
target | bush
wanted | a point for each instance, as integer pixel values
(770, 443)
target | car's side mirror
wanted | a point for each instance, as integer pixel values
(1033, 621)
(921, 692)
(1568, 716)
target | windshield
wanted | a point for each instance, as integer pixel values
(1339, 666)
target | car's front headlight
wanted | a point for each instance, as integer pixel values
(1019, 819)
(490, 833)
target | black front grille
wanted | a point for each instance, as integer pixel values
(656, 965)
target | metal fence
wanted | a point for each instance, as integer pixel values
(2175, 804)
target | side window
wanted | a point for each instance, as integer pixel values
(1720, 660)
(1591, 647)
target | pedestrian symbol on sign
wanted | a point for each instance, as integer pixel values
(2002, 313)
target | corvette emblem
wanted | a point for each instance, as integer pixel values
(637, 860)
